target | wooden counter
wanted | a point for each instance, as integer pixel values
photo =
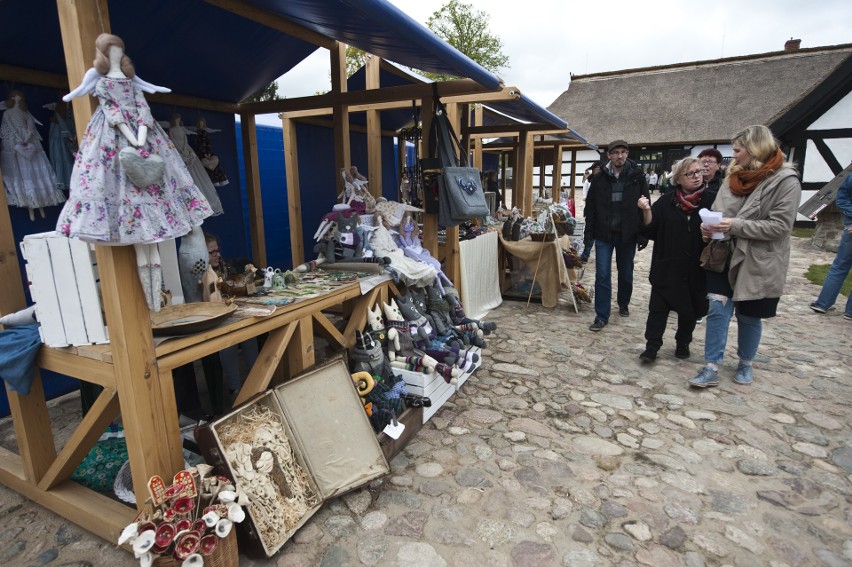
(289, 349)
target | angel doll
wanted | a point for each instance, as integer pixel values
(129, 185)
(209, 160)
(29, 178)
(177, 132)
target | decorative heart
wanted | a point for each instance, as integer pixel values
(142, 171)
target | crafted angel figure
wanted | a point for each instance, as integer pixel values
(129, 185)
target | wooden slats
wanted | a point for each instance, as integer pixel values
(96, 420)
(267, 362)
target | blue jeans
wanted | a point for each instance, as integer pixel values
(837, 274)
(624, 254)
(718, 320)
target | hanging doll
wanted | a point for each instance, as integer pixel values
(355, 193)
(209, 160)
(129, 184)
(29, 178)
(177, 132)
(62, 144)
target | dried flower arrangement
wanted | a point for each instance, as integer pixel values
(187, 519)
(263, 463)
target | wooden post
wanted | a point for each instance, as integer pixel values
(541, 168)
(294, 193)
(374, 131)
(556, 179)
(573, 176)
(523, 177)
(430, 222)
(342, 157)
(452, 264)
(147, 408)
(253, 189)
(477, 143)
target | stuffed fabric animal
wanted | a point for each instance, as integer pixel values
(425, 338)
(401, 345)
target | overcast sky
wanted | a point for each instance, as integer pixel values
(548, 40)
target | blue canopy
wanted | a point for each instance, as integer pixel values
(198, 49)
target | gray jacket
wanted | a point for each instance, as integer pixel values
(761, 224)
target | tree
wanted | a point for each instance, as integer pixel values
(269, 92)
(466, 29)
(462, 27)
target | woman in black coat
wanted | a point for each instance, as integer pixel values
(677, 279)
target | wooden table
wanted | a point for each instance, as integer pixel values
(289, 349)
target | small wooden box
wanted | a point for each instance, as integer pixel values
(307, 440)
(431, 385)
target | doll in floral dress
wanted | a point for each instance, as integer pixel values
(104, 205)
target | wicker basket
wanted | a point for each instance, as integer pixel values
(542, 236)
(226, 554)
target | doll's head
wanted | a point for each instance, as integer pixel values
(201, 124)
(16, 99)
(176, 119)
(101, 62)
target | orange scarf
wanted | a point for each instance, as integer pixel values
(745, 181)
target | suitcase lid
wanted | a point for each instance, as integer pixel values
(334, 434)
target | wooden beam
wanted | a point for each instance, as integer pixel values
(330, 124)
(32, 429)
(386, 94)
(430, 222)
(573, 177)
(274, 21)
(523, 178)
(26, 76)
(99, 514)
(82, 368)
(267, 362)
(478, 113)
(194, 102)
(556, 178)
(374, 130)
(294, 194)
(452, 261)
(300, 354)
(502, 130)
(342, 140)
(96, 420)
(253, 189)
(327, 329)
(504, 94)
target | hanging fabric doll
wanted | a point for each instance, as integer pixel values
(177, 132)
(29, 178)
(62, 144)
(209, 160)
(129, 185)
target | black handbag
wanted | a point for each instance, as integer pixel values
(460, 194)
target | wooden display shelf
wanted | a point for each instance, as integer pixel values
(42, 474)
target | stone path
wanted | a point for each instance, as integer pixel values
(564, 449)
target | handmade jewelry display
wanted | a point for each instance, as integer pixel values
(256, 444)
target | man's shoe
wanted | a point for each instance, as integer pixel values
(705, 378)
(817, 308)
(597, 325)
(847, 316)
(682, 350)
(648, 355)
(624, 311)
(743, 375)
(699, 320)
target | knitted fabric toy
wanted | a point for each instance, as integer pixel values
(401, 345)
(425, 338)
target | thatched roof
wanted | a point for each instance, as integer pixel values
(697, 102)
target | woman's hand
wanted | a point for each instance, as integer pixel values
(644, 203)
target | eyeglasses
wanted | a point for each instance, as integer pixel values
(694, 173)
(214, 251)
(709, 162)
(619, 153)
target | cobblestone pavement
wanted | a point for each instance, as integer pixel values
(564, 449)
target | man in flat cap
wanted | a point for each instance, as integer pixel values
(612, 221)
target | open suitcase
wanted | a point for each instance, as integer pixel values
(292, 448)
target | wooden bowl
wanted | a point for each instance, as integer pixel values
(189, 317)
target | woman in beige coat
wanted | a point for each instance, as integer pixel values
(758, 201)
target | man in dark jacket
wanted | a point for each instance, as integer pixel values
(711, 160)
(612, 223)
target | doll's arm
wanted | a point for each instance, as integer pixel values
(148, 87)
(142, 136)
(125, 130)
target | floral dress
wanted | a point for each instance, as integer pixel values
(104, 206)
(199, 175)
(27, 173)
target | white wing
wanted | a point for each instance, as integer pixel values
(87, 87)
(148, 87)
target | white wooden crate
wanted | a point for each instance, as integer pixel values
(431, 385)
(64, 286)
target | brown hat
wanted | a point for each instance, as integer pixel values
(616, 144)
